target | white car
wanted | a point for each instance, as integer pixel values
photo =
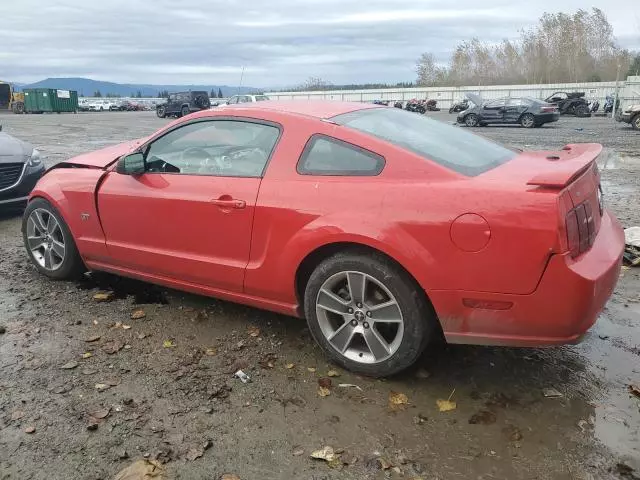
(247, 99)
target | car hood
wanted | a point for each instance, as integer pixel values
(105, 157)
(476, 99)
(13, 150)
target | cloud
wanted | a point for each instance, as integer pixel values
(278, 43)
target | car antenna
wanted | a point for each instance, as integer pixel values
(241, 77)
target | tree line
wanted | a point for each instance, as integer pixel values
(578, 47)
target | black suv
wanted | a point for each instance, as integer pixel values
(183, 103)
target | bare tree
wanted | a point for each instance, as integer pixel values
(429, 73)
(315, 83)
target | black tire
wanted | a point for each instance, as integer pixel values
(471, 120)
(528, 120)
(582, 111)
(202, 102)
(635, 122)
(185, 111)
(419, 319)
(72, 266)
(161, 112)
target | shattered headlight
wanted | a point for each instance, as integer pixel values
(34, 159)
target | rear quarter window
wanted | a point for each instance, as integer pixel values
(324, 155)
(447, 145)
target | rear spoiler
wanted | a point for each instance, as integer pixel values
(567, 164)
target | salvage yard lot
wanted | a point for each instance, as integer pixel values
(149, 372)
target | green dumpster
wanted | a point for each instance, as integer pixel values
(39, 100)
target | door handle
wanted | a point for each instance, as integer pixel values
(226, 202)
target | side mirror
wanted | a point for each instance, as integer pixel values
(0, 127)
(132, 164)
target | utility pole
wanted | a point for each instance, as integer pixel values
(242, 76)
(615, 96)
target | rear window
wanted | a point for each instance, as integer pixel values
(449, 146)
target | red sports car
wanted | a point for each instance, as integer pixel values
(384, 229)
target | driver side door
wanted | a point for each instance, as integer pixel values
(493, 112)
(189, 216)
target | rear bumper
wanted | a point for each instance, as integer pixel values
(566, 303)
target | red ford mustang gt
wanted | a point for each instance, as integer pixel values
(383, 228)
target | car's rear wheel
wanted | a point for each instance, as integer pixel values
(471, 120)
(367, 313)
(161, 112)
(49, 242)
(185, 111)
(635, 122)
(528, 120)
(582, 111)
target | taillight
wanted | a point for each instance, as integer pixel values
(548, 109)
(581, 231)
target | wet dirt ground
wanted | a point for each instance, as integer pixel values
(99, 389)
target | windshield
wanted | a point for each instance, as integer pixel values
(450, 146)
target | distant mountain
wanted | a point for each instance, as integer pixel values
(88, 87)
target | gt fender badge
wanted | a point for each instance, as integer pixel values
(84, 216)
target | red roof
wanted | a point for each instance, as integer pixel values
(311, 108)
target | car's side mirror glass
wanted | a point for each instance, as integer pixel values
(132, 164)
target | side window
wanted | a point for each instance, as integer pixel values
(233, 100)
(172, 98)
(226, 148)
(244, 99)
(330, 156)
(496, 103)
(516, 102)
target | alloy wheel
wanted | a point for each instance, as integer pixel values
(359, 317)
(45, 239)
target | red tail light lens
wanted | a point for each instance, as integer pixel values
(581, 231)
(548, 109)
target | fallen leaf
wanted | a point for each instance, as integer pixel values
(101, 387)
(634, 390)
(142, 470)
(324, 382)
(349, 385)
(70, 365)
(298, 451)
(446, 405)
(311, 369)
(92, 339)
(551, 393)
(87, 355)
(195, 453)
(17, 415)
(211, 352)
(324, 392)
(103, 296)
(253, 331)
(138, 314)
(168, 344)
(397, 401)
(30, 430)
(116, 325)
(142, 336)
(383, 463)
(333, 373)
(289, 366)
(230, 476)
(483, 417)
(327, 454)
(126, 327)
(101, 413)
(89, 371)
(112, 347)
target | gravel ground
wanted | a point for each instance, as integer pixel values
(85, 389)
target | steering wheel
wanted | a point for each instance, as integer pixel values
(207, 161)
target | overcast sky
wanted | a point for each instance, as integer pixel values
(279, 42)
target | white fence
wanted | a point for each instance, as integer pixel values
(446, 96)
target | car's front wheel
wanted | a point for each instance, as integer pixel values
(367, 313)
(49, 242)
(161, 112)
(471, 120)
(185, 111)
(635, 122)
